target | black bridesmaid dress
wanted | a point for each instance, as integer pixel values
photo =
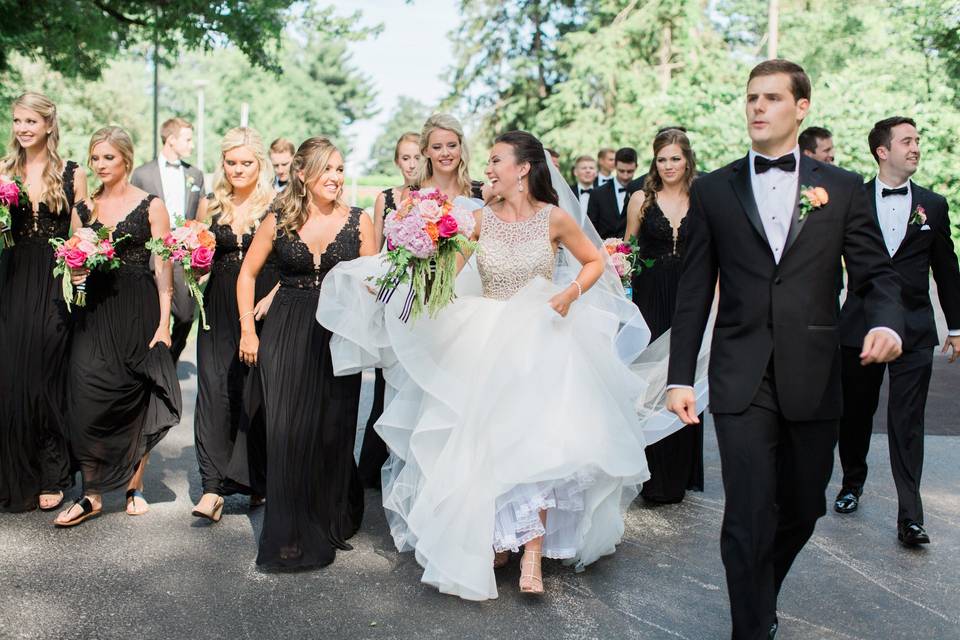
(226, 467)
(34, 346)
(314, 495)
(676, 462)
(123, 397)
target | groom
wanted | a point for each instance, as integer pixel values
(775, 358)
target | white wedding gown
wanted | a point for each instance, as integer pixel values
(502, 408)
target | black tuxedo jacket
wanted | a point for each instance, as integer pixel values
(147, 177)
(786, 313)
(603, 212)
(922, 249)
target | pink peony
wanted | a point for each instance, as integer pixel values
(447, 226)
(624, 248)
(201, 258)
(75, 258)
(9, 193)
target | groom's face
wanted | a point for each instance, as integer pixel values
(773, 113)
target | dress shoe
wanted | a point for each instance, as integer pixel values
(847, 502)
(911, 533)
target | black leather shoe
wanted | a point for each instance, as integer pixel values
(846, 502)
(911, 533)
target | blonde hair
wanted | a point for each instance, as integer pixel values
(445, 122)
(409, 136)
(292, 205)
(172, 127)
(263, 193)
(119, 140)
(53, 193)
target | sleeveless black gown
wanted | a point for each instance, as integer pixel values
(123, 397)
(676, 462)
(34, 346)
(221, 415)
(314, 495)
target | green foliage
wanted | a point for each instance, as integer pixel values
(409, 115)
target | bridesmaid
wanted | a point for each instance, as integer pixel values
(658, 221)
(445, 159)
(314, 496)
(34, 323)
(242, 192)
(123, 392)
(373, 451)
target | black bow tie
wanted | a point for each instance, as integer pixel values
(583, 191)
(173, 165)
(901, 191)
(621, 189)
(786, 163)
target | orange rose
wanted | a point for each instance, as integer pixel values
(817, 196)
(611, 249)
(207, 239)
(72, 242)
(433, 231)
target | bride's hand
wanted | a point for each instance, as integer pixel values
(79, 276)
(561, 303)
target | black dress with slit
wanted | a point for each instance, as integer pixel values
(314, 495)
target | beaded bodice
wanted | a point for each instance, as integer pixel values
(511, 254)
(135, 226)
(656, 237)
(300, 269)
(44, 224)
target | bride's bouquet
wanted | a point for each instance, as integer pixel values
(85, 249)
(11, 195)
(424, 236)
(191, 244)
(625, 258)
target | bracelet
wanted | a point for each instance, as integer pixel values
(579, 289)
(244, 315)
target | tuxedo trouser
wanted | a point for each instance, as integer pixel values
(907, 401)
(182, 312)
(775, 472)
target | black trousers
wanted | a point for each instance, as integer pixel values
(774, 472)
(909, 382)
(182, 310)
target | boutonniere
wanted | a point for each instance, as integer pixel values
(811, 199)
(919, 216)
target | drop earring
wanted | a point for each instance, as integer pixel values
(520, 184)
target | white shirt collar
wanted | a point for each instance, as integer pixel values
(882, 185)
(162, 162)
(753, 154)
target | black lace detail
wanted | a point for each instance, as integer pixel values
(46, 224)
(389, 204)
(229, 253)
(136, 225)
(656, 236)
(296, 263)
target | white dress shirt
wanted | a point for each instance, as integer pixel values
(893, 214)
(620, 190)
(602, 179)
(775, 192)
(583, 197)
(174, 185)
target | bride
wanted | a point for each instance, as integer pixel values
(515, 420)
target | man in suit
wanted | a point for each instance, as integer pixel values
(916, 232)
(585, 173)
(774, 370)
(608, 204)
(817, 143)
(180, 186)
(281, 156)
(606, 165)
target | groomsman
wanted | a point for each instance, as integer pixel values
(281, 155)
(554, 156)
(585, 172)
(916, 231)
(608, 203)
(606, 165)
(817, 143)
(773, 226)
(180, 186)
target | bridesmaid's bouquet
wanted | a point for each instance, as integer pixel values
(11, 195)
(424, 236)
(191, 244)
(85, 249)
(625, 258)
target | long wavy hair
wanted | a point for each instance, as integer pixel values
(293, 203)
(653, 182)
(445, 122)
(527, 148)
(120, 140)
(263, 193)
(14, 163)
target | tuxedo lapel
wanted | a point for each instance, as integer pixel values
(871, 188)
(912, 229)
(807, 178)
(740, 181)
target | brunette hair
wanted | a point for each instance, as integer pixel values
(799, 80)
(626, 155)
(653, 182)
(292, 205)
(52, 193)
(526, 148)
(263, 193)
(882, 133)
(810, 136)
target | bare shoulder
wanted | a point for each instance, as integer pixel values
(561, 218)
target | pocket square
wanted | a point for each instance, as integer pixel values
(195, 188)
(925, 227)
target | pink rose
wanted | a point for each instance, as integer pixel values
(9, 193)
(390, 245)
(178, 255)
(75, 258)
(169, 240)
(186, 235)
(88, 234)
(447, 226)
(106, 249)
(624, 249)
(201, 259)
(88, 248)
(430, 210)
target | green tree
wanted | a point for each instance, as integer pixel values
(408, 115)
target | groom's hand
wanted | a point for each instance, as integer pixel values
(681, 401)
(879, 346)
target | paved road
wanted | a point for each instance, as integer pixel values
(168, 575)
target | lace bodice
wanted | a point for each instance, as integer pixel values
(230, 249)
(511, 254)
(46, 224)
(656, 238)
(135, 225)
(297, 265)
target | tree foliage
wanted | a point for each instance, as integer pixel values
(408, 115)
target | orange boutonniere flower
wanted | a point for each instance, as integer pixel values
(812, 198)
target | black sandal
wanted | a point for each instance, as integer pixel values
(88, 512)
(133, 495)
